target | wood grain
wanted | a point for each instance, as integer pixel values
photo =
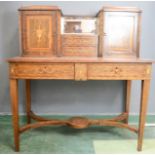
(40, 34)
(77, 59)
(14, 104)
(79, 45)
(101, 71)
(42, 71)
(78, 122)
(28, 100)
(81, 72)
(119, 33)
(128, 97)
(143, 109)
(47, 54)
(39, 8)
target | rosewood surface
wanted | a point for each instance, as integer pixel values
(78, 69)
(110, 51)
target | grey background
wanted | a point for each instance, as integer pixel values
(70, 97)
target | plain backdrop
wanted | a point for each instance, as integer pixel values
(70, 97)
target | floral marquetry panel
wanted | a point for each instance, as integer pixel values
(39, 33)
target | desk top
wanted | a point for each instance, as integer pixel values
(77, 59)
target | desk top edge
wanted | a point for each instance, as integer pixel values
(75, 59)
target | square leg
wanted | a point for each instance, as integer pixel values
(28, 100)
(15, 115)
(143, 109)
(128, 97)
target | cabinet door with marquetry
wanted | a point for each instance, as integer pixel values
(39, 32)
(121, 31)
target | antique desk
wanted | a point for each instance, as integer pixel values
(69, 54)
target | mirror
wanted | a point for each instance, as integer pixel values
(78, 25)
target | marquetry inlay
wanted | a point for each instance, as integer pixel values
(118, 71)
(80, 71)
(49, 53)
(37, 70)
(39, 30)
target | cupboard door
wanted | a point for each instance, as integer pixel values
(38, 30)
(121, 31)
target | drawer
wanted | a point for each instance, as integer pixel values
(42, 71)
(79, 45)
(118, 71)
(79, 40)
(79, 51)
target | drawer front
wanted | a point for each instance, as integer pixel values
(80, 51)
(75, 40)
(73, 45)
(118, 71)
(42, 71)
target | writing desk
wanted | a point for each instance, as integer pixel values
(78, 69)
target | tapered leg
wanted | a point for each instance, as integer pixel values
(128, 96)
(14, 102)
(143, 108)
(28, 100)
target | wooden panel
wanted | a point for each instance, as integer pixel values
(119, 71)
(120, 29)
(121, 34)
(79, 45)
(39, 33)
(42, 70)
(100, 26)
(80, 71)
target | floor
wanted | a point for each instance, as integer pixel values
(65, 139)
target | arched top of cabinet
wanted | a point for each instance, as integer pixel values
(39, 8)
